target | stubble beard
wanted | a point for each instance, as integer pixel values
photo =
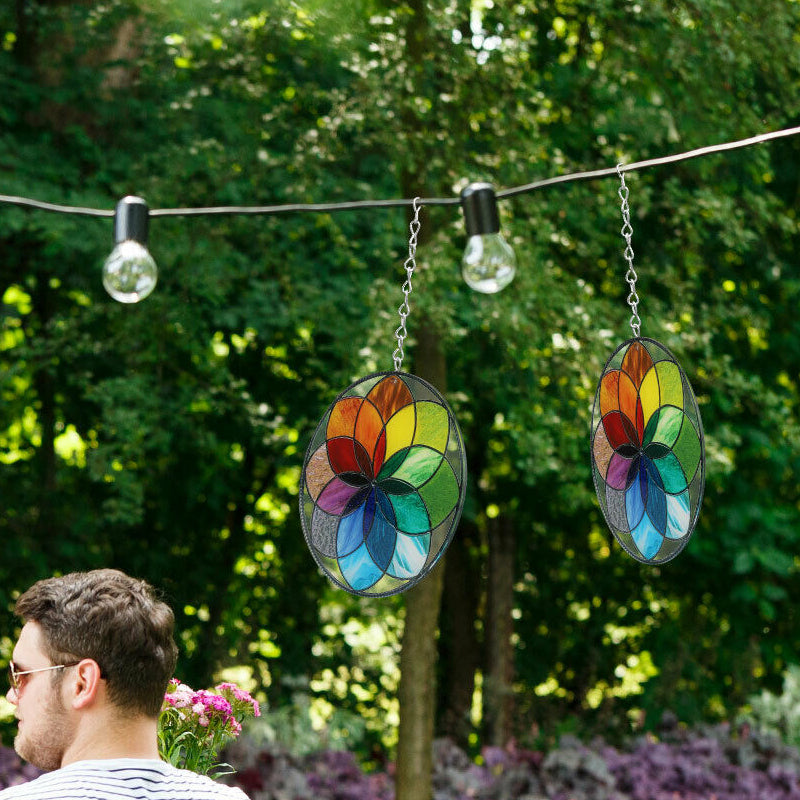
(44, 746)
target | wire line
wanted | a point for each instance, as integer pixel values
(430, 201)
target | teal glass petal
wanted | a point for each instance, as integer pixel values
(410, 512)
(671, 473)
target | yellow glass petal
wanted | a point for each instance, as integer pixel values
(400, 431)
(650, 395)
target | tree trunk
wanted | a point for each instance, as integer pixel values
(498, 696)
(458, 643)
(417, 690)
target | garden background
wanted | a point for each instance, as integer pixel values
(166, 438)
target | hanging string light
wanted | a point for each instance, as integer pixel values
(130, 272)
(489, 263)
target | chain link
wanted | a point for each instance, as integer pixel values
(410, 265)
(627, 233)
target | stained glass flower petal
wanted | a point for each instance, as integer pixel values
(360, 570)
(411, 513)
(351, 533)
(609, 392)
(664, 426)
(440, 494)
(618, 471)
(400, 431)
(419, 465)
(318, 472)
(637, 361)
(342, 421)
(648, 456)
(390, 394)
(335, 497)
(342, 454)
(678, 517)
(383, 484)
(381, 541)
(433, 426)
(648, 540)
(410, 555)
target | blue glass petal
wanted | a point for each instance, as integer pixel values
(636, 497)
(411, 554)
(380, 541)
(647, 538)
(385, 506)
(369, 509)
(359, 569)
(656, 498)
(678, 516)
(351, 532)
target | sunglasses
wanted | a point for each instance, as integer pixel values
(14, 674)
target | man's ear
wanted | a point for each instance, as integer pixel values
(85, 684)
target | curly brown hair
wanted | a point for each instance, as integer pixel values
(117, 621)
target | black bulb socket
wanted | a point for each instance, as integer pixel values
(479, 204)
(131, 220)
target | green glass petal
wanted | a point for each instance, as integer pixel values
(433, 426)
(411, 514)
(393, 464)
(671, 473)
(419, 466)
(394, 486)
(440, 493)
(670, 383)
(687, 449)
(667, 426)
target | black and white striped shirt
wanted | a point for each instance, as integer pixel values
(122, 779)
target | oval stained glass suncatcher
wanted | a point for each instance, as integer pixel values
(383, 484)
(648, 454)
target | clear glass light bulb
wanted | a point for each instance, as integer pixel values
(130, 273)
(489, 263)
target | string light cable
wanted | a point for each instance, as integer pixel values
(488, 263)
(431, 201)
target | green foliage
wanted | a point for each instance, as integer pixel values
(778, 714)
(167, 438)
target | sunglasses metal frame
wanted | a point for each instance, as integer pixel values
(14, 675)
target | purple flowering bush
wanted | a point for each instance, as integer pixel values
(13, 770)
(707, 763)
(703, 763)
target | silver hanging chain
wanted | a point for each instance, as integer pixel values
(627, 232)
(410, 265)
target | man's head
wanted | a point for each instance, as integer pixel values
(116, 621)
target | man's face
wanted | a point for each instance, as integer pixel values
(45, 728)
